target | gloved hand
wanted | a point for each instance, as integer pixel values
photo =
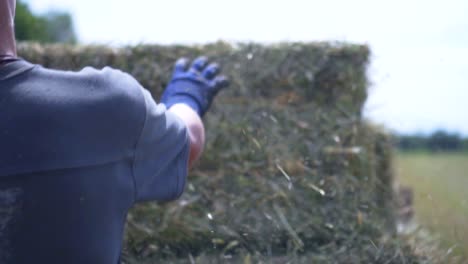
(196, 86)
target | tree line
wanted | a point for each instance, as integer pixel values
(437, 141)
(54, 26)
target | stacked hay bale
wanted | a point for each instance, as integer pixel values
(290, 171)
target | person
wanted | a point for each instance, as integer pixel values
(78, 149)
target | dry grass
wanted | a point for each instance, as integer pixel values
(291, 173)
(441, 200)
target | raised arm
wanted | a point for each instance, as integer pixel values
(189, 96)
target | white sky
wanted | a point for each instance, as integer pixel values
(420, 48)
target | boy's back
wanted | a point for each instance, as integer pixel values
(77, 151)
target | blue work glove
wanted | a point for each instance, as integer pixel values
(195, 86)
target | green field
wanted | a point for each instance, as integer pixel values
(440, 183)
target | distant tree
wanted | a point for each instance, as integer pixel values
(465, 144)
(52, 27)
(441, 140)
(28, 26)
(438, 141)
(412, 142)
(60, 27)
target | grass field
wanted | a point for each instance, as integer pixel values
(440, 184)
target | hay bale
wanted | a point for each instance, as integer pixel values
(290, 170)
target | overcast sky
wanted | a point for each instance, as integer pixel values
(419, 66)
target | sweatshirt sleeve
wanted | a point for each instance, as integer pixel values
(161, 157)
